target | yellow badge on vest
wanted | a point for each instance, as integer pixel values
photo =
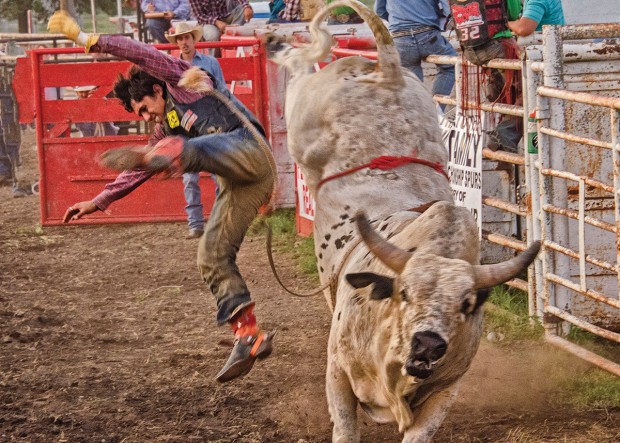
(173, 119)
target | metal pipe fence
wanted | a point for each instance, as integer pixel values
(572, 182)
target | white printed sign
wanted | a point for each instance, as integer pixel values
(463, 140)
(305, 201)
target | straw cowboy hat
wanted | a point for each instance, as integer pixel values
(183, 28)
(83, 88)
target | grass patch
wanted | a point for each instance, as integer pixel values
(594, 343)
(594, 389)
(286, 240)
(507, 316)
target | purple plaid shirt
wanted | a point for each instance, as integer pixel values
(159, 65)
(291, 10)
(208, 11)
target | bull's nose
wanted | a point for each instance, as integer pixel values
(427, 348)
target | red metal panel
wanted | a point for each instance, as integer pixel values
(72, 174)
(86, 110)
(237, 68)
(68, 166)
(23, 89)
(82, 73)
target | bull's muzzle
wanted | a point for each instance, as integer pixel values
(427, 348)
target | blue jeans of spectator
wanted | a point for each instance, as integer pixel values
(414, 48)
(157, 27)
(193, 204)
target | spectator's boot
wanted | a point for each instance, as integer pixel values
(250, 343)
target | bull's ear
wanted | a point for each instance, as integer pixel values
(383, 286)
(470, 306)
(273, 43)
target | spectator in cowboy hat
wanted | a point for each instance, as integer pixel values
(185, 37)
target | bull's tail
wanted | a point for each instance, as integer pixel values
(389, 60)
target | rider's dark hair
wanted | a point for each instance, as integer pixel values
(135, 85)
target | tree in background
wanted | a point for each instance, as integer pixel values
(43, 9)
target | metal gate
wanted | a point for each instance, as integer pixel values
(69, 170)
(569, 195)
(576, 89)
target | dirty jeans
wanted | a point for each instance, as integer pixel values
(245, 181)
(414, 48)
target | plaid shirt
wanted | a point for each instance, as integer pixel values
(159, 65)
(208, 11)
(291, 10)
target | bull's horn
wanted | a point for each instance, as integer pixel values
(488, 276)
(391, 256)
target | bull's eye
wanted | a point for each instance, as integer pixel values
(469, 304)
(403, 295)
(473, 301)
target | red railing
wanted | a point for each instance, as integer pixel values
(68, 166)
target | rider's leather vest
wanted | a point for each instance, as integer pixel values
(207, 115)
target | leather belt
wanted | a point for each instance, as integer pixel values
(411, 32)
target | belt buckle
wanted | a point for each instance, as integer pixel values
(342, 18)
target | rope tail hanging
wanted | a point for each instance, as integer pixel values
(275, 272)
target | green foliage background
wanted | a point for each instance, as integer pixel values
(11, 9)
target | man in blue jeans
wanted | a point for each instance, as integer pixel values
(416, 28)
(186, 37)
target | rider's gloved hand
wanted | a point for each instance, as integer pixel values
(62, 23)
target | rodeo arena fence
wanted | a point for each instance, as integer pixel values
(563, 191)
(569, 195)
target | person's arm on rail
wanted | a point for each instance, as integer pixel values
(523, 26)
(533, 13)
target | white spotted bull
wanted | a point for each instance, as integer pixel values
(407, 287)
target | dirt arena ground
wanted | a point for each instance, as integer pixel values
(107, 335)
